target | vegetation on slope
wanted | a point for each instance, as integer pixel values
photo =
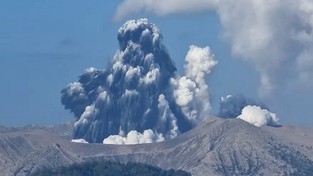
(109, 168)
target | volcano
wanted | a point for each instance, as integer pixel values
(216, 147)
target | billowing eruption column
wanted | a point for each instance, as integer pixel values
(138, 98)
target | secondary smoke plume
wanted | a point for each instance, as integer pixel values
(139, 97)
(191, 91)
(232, 105)
(238, 106)
(258, 116)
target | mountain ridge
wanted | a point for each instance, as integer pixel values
(215, 147)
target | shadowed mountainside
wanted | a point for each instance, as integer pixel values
(109, 168)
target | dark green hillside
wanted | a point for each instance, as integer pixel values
(108, 168)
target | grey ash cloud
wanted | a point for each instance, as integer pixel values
(139, 98)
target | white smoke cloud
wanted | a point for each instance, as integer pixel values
(79, 141)
(134, 137)
(200, 62)
(276, 36)
(191, 91)
(259, 117)
(163, 7)
(232, 105)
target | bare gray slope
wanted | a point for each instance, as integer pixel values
(216, 147)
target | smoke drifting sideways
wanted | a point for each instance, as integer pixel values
(275, 36)
(139, 98)
(238, 106)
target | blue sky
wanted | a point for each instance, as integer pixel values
(44, 45)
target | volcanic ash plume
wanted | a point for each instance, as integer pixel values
(138, 98)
